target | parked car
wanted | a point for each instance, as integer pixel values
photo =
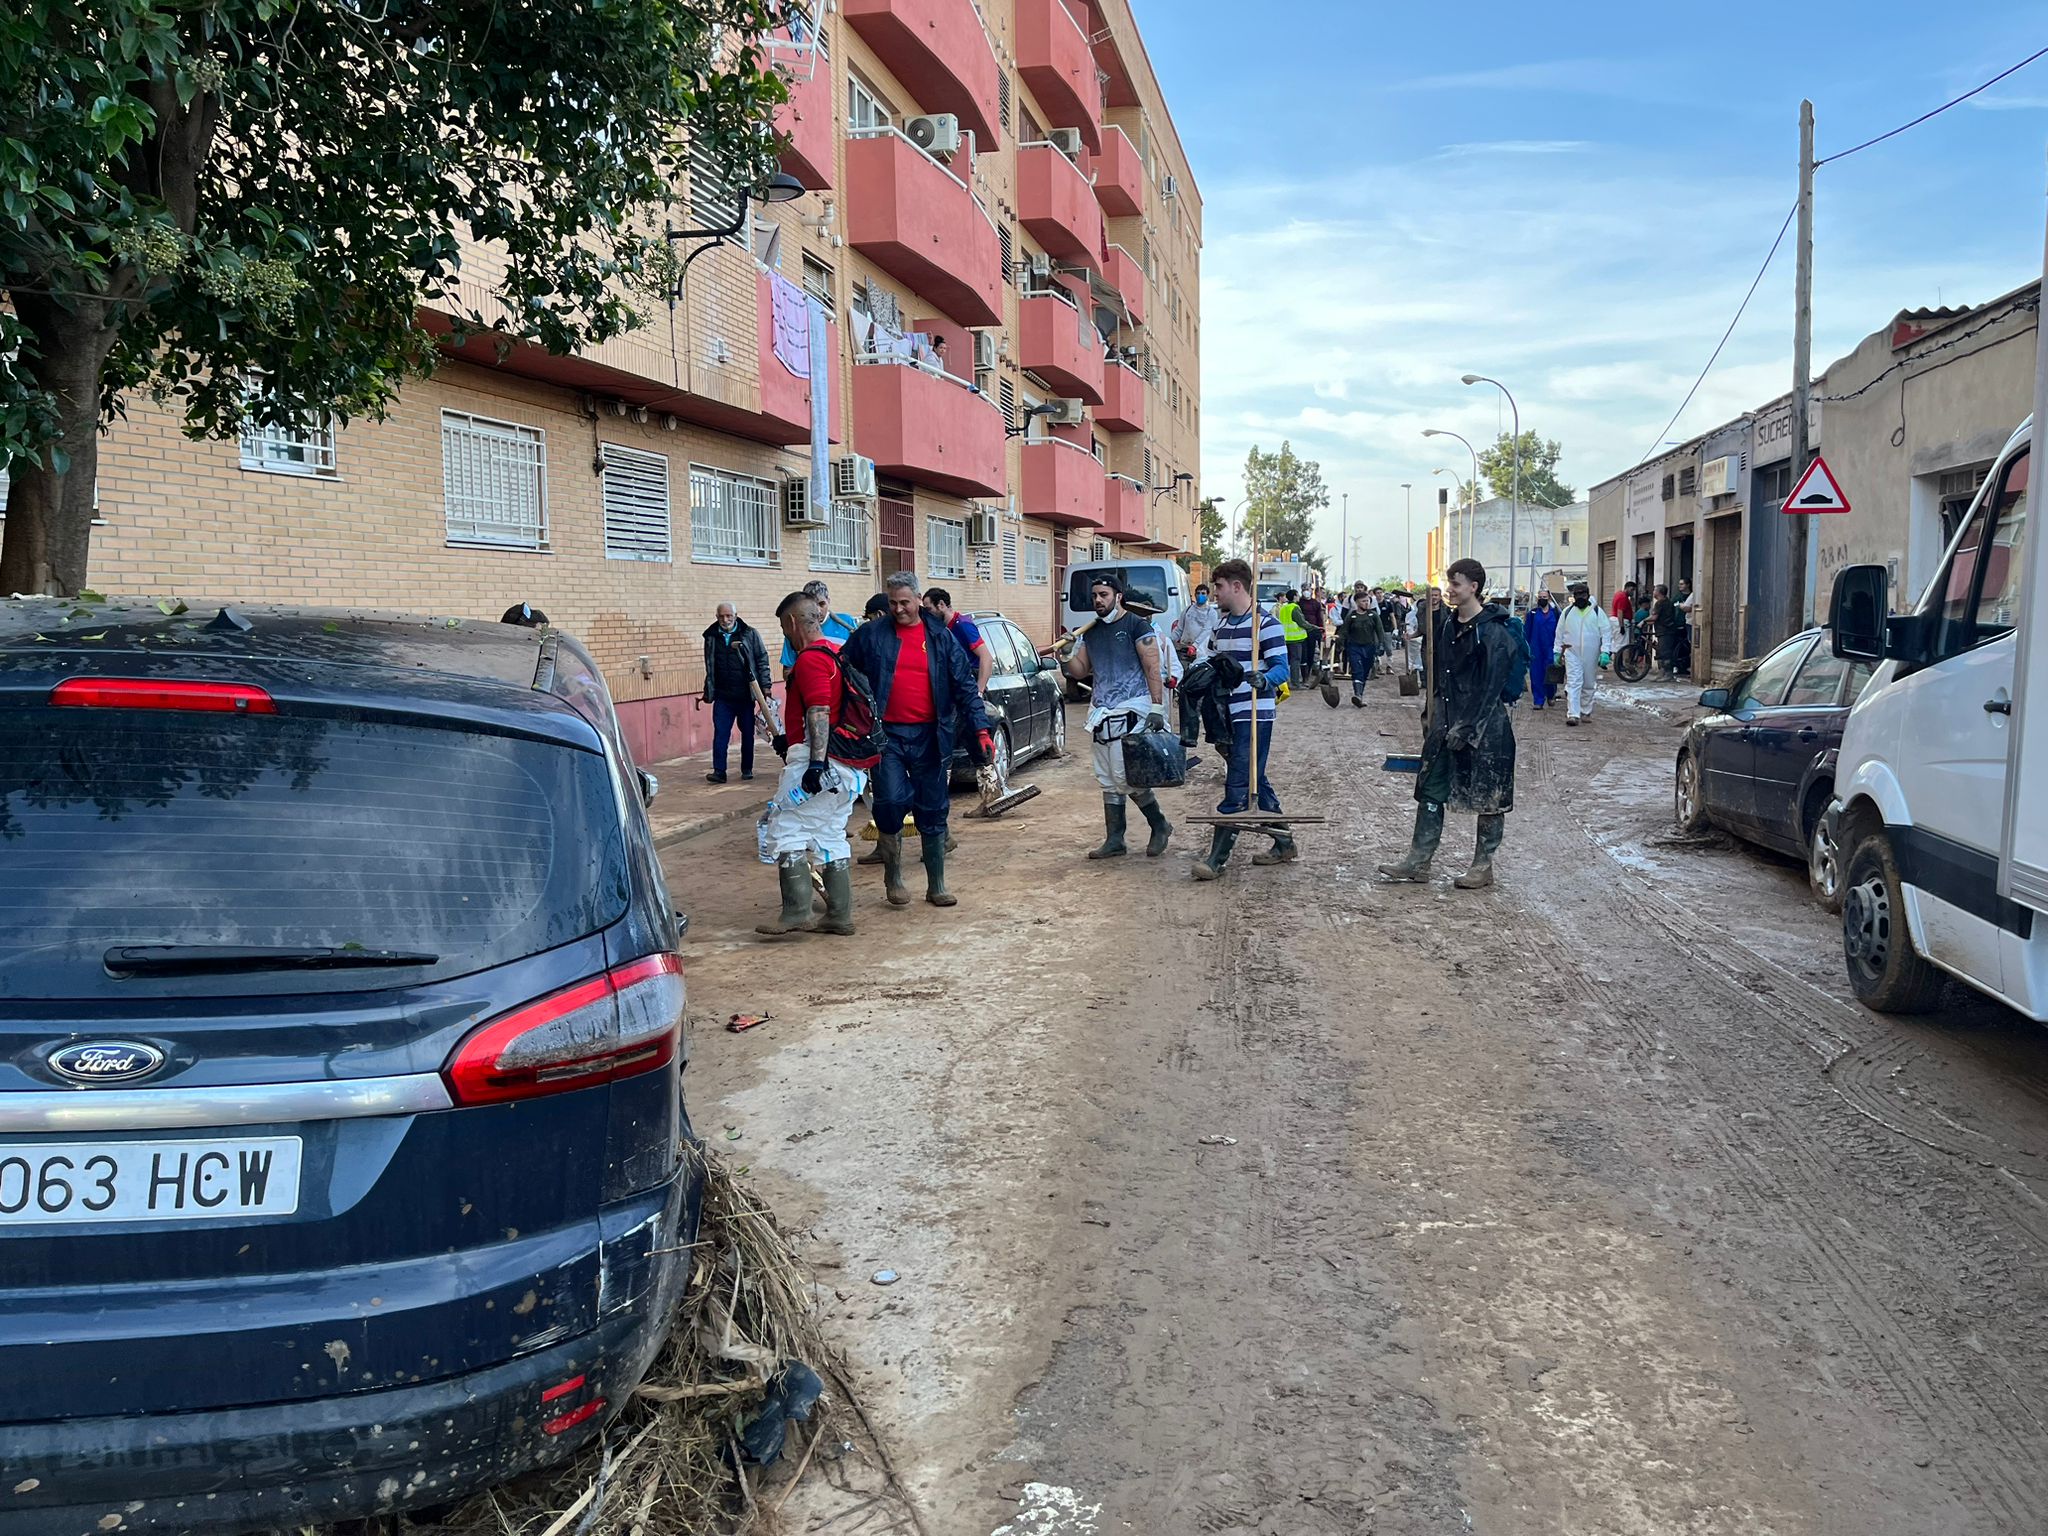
(343, 1158)
(1762, 765)
(1024, 699)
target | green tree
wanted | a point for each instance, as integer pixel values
(1284, 494)
(1214, 530)
(1540, 485)
(196, 195)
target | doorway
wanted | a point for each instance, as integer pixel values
(1724, 551)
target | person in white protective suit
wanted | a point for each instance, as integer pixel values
(1584, 634)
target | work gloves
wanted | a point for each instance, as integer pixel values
(1155, 718)
(781, 744)
(984, 748)
(814, 778)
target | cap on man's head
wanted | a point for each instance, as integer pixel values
(1109, 579)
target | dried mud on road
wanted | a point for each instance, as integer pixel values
(1586, 1204)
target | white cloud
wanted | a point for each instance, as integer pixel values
(1514, 147)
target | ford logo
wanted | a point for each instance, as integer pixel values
(105, 1061)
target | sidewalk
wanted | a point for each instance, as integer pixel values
(687, 806)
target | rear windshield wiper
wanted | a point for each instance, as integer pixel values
(211, 959)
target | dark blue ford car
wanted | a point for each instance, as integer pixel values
(343, 1161)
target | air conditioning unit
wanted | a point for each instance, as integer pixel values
(853, 478)
(797, 508)
(937, 135)
(984, 349)
(984, 530)
(1040, 266)
(1101, 549)
(1065, 412)
(1168, 187)
(1066, 140)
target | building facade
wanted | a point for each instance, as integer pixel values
(984, 312)
(1548, 544)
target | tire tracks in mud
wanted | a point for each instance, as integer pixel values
(1941, 1253)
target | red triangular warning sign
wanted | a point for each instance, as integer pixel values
(1817, 491)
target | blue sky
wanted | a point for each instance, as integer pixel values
(1572, 198)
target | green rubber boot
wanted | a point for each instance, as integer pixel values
(1429, 831)
(1114, 819)
(1221, 841)
(935, 890)
(891, 845)
(793, 870)
(838, 916)
(1155, 818)
(1284, 850)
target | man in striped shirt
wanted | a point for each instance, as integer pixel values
(1255, 646)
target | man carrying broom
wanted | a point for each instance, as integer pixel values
(1250, 647)
(1468, 754)
(1120, 654)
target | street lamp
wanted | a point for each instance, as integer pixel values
(1515, 506)
(779, 188)
(1408, 532)
(1442, 536)
(1472, 486)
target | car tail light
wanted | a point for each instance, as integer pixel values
(154, 693)
(626, 1021)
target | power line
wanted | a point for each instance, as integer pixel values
(1924, 116)
(2017, 307)
(1754, 282)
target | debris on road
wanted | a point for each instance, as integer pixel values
(1218, 1141)
(885, 1277)
(740, 1023)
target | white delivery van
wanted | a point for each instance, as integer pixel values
(1160, 582)
(1940, 817)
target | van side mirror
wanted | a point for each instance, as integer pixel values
(1857, 612)
(650, 786)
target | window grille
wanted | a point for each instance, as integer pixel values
(1006, 392)
(733, 519)
(844, 545)
(303, 447)
(1003, 100)
(635, 496)
(946, 546)
(493, 481)
(1037, 562)
(1010, 556)
(817, 280)
(1688, 480)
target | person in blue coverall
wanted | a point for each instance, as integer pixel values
(1541, 624)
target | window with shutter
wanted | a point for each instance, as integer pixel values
(1010, 556)
(817, 280)
(1008, 244)
(714, 203)
(1670, 488)
(1688, 481)
(493, 482)
(1003, 100)
(1006, 392)
(635, 496)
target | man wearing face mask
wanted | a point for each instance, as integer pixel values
(1119, 656)
(1541, 625)
(1582, 632)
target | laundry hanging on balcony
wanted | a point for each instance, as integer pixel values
(792, 316)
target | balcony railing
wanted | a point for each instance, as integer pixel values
(1124, 393)
(1056, 341)
(922, 424)
(1058, 66)
(923, 225)
(1122, 272)
(1057, 206)
(1063, 483)
(1123, 514)
(940, 51)
(1119, 176)
(806, 117)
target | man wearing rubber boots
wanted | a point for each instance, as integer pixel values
(925, 692)
(1250, 648)
(1468, 754)
(1119, 653)
(807, 818)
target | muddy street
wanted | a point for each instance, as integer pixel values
(1299, 1203)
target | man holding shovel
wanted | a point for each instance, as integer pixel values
(1119, 653)
(1468, 754)
(1254, 645)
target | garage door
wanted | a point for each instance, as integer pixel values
(1725, 637)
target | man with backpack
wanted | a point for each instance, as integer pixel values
(827, 742)
(926, 694)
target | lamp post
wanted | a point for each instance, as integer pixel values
(1442, 535)
(1472, 486)
(779, 188)
(1408, 532)
(1514, 506)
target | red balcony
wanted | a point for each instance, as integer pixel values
(1121, 271)
(940, 51)
(1063, 484)
(929, 429)
(1057, 206)
(785, 343)
(1123, 399)
(918, 222)
(1123, 515)
(1058, 66)
(806, 118)
(1056, 342)
(1119, 176)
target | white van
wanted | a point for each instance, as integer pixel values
(1160, 582)
(1940, 817)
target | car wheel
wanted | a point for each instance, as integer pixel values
(1056, 742)
(1823, 863)
(1885, 971)
(1688, 799)
(1001, 755)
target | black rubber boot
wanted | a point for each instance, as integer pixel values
(1155, 818)
(793, 870)
(1114, 818)
(935, 890)
(1210, 865)
(1480, 875)
(838, 916)
(1429, 831)
(891, 846)
(873, 855)
(1284, 850)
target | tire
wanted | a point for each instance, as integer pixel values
(1823, 858)
(1632, 662)
(1056, 743)
(1689, 794)
(1885, 971)
(1001, 756)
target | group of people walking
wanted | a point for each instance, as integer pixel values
(874, 708)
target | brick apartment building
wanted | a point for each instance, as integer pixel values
(1011, 337)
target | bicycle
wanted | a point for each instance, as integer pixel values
(1633, 661)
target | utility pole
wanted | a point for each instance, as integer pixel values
(1800, 550)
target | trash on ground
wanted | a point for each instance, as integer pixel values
(740, 1023)
(885, 1277)
(791, 1396)
(1219, 1141)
